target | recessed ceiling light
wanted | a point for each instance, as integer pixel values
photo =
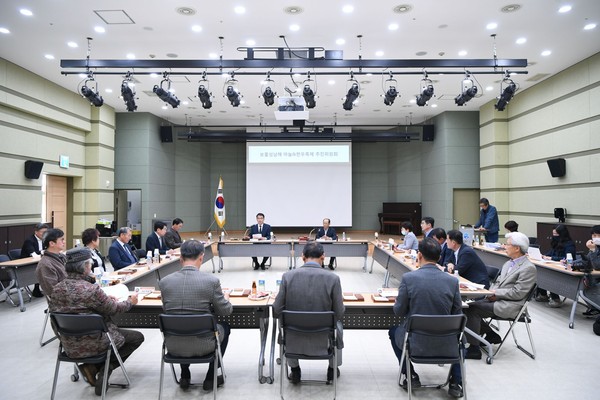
(546, 53)
(294, 27)
(82, 75)
(421, 53)
(521, 40)
(434, 106)
(49, 56)
(187, 11)
(239, 10)
(196, 28)
(369, 74)
(379, 53)
(250, 42)
(589, 26)
(348, 9)
(393, 27)
(331, 82)
(491, 25)
(72, 44)
(185, 103)
(462, 53)
(164, 107)
(564, 9)
(297, 75)
(108, 90)
(99, 29)
(4, 30)
(153, 75)
(510, 8)
(293, 10)
(172, 55)
(242, 101)
(26, 12)
(131, 56)
(213, 55)
(403, 8)
(412, 101)
(489, 88)
(340, 41)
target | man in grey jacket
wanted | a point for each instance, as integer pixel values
(510, 291)
(190, 291)
(310, 288)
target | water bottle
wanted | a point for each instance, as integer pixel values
(222, 237)
(343, 236)
(569, 260)
(156, 256)
(209, 236)
(277, 285)
(272, 235)
(261, 282)
(149, 258)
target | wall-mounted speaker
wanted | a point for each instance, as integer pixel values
(557, 167)
(428, 133)
(560, 214)
(166, 134)
(33, 169)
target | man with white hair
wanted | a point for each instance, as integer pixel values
(509, 293)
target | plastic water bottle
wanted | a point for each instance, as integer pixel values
(209, 236)
(156, 256)
(149, 258)
(277, 285)
(272, 235)
(343, 236)
(569, 260)
(261, 282)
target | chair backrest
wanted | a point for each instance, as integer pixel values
(78, 324)
(140, 253)
(492, 272)
(435, 336)
(14, 254)
(187, 324)
(308, 321)
(308, 334)
(4, 257)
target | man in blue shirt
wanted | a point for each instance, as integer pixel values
(488, 221)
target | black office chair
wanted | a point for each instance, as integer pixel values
(79, 325)
(522, 317)
(434, 339)
(140, 254)
(320, 328)
(493, 273)
(192, 325)
(47, 316)
(14, 254)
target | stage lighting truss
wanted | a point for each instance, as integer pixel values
(468, 90)
(204, 93)
(426, 91)
(166, 95)
(266, 90)
(309, 91)
(507, 93)
(231, 91)
(128, 92)
(352, 94)
(91, 92)
(389, 90)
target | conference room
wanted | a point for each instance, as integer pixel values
(74, 165)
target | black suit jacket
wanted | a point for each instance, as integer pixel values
(446, 256)
(330, 233)
(118, 257)
(30, 246)
(153, 243)
(470, 266)
(266, 230)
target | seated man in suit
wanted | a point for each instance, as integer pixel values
(427, 291)
(324, 291)
(172, 237)
(439, 234)
(510, 290)
(427, 226)
(264, 231)
(326, 232)
(190, 291)
(120, 253)
(34, 245)
(156, 240)
(465, 260)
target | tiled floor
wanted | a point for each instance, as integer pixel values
(566, 366)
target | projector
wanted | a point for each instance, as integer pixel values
(291, 108)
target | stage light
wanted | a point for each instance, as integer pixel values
(267, 92)
(166, 95)
(92, 94)
(231, 91)
(309, 97)
(128, 93)
(426, 92)
(469, 90)
(506, 95)
(391, 93)
(204, 93)
(352, 94)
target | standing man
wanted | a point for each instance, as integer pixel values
(427, 291)
(262, 231)
(510, 291)
(156, 240)
(488, 221)
(427, 226)
(190, 291)
(172, 237)
(326, 232)
(120, 253)
(310, 288)
(34, 245)
(51, 268)
(465, 261)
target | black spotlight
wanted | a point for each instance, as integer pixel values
(128, 96)
(268, 95)
(204, 97)
(390, 96)
(166, 96)
(425, 96)
(468, 92)
(506, 96)
(233, 96)
(309, 97)
(352, 95)
(92, 96)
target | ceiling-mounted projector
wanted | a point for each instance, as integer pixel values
(291, 108)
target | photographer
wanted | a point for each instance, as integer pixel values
(589, 264)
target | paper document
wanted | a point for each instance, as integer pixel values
(471, 285)
(120, 291)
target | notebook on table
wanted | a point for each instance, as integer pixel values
(534, 253)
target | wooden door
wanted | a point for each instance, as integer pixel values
(465, 209)
(56, 201)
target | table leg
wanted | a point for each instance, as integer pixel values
(386, 279)
(20, 294)
(264, 331)
(212, 260)
(220, 264)
(572, 315)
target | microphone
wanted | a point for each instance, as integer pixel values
(311, 232)
(246, 232)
